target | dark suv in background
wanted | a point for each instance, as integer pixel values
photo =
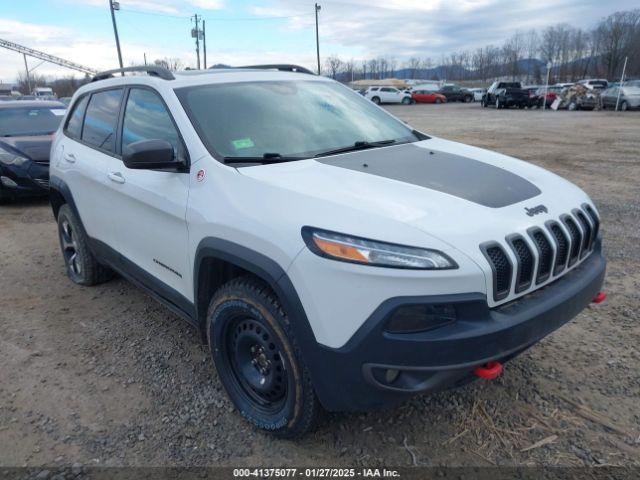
(456, 94)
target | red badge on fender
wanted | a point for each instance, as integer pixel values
(200, 175)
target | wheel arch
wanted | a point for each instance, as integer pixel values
(217, 261)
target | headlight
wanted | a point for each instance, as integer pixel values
(10, 158)
(347, 248)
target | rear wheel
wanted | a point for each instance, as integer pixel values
(624, 106)
(82, 267)
(376, 100)
(498, 103)
(258, 359)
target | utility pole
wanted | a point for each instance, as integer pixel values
(317, 38)
(113, 6)
(196, 33)
(624, 70)
(26, 67)
(145, 58)
(204, 44)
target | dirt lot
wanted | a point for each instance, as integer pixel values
(106, 376)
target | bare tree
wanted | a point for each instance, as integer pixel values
(172, 64)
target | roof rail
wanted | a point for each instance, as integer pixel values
(281, 67)
(153, 70)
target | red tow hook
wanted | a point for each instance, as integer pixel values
(489, 371)
(600, 297)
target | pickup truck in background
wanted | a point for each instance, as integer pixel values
(506, 94)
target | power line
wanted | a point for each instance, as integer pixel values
(256, 18)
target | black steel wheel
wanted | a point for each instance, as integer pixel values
(258, 359)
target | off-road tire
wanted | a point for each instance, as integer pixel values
(82, 269)
(243, 304)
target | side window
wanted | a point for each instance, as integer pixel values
(74, 124)
(100, 121)
(146, 118)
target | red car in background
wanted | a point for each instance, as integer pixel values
(426, 96)
(552, 93)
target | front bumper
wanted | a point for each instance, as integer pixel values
(352, 378)
(30, 179)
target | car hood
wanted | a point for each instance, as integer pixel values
(34, 147)
(460, 195)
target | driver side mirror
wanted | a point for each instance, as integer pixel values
(150, 154)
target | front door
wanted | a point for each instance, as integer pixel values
(151, 204)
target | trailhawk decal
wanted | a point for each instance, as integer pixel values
(462, 177)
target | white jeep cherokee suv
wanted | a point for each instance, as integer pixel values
(329, 254)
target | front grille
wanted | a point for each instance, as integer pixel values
(501, 267)
(524, 257)
(544, 253)
(576, 238)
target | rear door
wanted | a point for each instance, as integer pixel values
(150, 205)
(89, 141)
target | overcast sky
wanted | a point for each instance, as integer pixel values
(267, 31)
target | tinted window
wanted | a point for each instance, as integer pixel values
(19, 121)
(146, 118)
(74, 124)
(101, 119)
(298, 118)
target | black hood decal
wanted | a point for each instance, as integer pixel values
(462, 177)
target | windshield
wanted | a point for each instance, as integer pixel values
(287, 118)
(21, 121)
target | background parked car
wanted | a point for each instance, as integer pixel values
(550, 95)
(594, 83)
(478, 93)
(532, 92)
(26, 130)
(456, 94)
(506, 94)
(629, 97)
(387, 95)
(426, 96)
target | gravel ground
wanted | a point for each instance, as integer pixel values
(106, 376)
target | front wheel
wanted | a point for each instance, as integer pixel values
(438, 101)
(258, 359)
(624, 106)
(406, 101)
(498, 103)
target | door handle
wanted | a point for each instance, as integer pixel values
(116, 177)
(70, 157)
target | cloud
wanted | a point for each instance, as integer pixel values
(171, 7)
(431, 28)
(94, 52)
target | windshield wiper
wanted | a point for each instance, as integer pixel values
(360, 145)
(266, 158)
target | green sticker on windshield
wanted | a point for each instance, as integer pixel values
(242, 143)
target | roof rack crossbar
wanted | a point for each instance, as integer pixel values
(152, 70)
(282, 67)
